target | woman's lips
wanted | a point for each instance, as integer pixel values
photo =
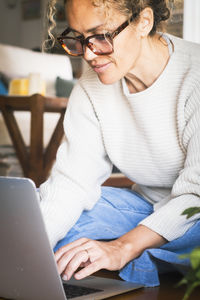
(101, 68)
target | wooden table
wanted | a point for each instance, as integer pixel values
(166, 291)
(36, 162)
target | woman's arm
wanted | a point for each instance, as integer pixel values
(82, 165)
(168, 220)
(114, 255)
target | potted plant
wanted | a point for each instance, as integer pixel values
(192, 278)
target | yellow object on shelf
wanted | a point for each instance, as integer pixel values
(27, 86)
(19, 87)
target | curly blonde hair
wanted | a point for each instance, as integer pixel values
(126, 7)
(49, 24)
(130, 7)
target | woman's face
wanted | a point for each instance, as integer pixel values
(84, 18)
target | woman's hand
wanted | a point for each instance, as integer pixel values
(114, 255)
(91, 255)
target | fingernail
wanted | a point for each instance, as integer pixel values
(65, 277)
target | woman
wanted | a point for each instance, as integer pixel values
(137, 107)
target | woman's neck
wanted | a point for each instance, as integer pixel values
(150, 64)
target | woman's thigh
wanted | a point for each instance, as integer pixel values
(117, 212)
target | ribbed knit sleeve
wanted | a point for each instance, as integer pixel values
(168, 220)
(81, 167)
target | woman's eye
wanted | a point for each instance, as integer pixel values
(79, 37)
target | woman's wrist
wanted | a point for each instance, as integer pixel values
(133, 243)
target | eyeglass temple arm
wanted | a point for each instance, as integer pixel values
(67, 30)
(124, 25)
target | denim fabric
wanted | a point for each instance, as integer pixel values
(117, 212)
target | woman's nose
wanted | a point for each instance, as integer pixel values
(88, 54)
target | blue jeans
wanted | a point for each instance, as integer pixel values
(117, 212)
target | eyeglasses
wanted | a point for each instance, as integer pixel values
(100, 44)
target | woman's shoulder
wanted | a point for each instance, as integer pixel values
(186, 48)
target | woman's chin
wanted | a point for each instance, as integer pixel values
(105, 79)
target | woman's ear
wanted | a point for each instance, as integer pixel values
(146, 22)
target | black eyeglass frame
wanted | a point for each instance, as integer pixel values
(86, 41)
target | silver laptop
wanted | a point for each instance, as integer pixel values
(28, 269)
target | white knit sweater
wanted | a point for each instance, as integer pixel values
(152, 136)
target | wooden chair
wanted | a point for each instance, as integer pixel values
(36, 162)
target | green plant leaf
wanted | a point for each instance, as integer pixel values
(190, 288)
(191, 211)
(198, 274)
(195, 258)
(183, 281)
(192, 278)
(184, 256)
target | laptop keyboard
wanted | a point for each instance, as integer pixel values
(72, 291)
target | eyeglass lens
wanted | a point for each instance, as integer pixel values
(99, 44)
(73, 47)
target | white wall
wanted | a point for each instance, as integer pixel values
(31, 33)
(9, 24)
(191, 21)
(18, 32)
